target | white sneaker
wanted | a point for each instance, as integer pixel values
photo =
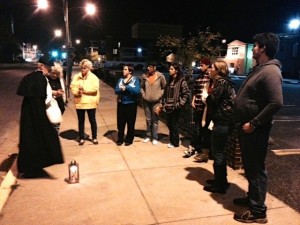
(146, 140)
(171, 146)
(154, 142)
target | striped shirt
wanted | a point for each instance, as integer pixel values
(198, 89)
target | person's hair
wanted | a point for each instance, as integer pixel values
(57, 68)
(221, 68)
(40, 66)
(177, 67)
(130, 68)
(87, 63)
(205, 61)
(268, 40)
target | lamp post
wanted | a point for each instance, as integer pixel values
(69, 46)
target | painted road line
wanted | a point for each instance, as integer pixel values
(286, 151)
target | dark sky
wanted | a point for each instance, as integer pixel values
(234, 19)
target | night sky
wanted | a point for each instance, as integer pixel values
(234, 19)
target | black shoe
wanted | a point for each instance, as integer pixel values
(249, 217)
(119, 143)
(95, 141)
(189, 152)
(215, 189)
(212, 182)
(81, 142)
(241, 201)
(128, 143)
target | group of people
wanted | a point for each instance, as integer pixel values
(217, 111)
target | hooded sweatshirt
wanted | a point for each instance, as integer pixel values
(153, 92)
(260, 96)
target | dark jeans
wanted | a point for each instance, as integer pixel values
(172, 123)
(219, 136)
(126, 114)
(151, 120)
(201, 138)
(254, 150)
(92, 118)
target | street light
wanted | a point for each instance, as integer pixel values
(57, 33)
(43, 4)
(294, 24)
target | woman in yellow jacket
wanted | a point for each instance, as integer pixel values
(85, 88)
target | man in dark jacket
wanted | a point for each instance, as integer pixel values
(39, 144)
(258, 99)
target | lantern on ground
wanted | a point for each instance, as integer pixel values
(73, 172)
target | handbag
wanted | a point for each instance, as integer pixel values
(53, 112)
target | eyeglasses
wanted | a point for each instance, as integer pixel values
(84, 68)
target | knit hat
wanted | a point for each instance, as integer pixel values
(205, 61)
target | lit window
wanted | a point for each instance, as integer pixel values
(235, 51)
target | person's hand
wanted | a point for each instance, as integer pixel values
(158, 109)
(193, 105)
(59, 92)
(80, 90)
(123, 88)
(248, 128)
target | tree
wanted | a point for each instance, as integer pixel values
(191, 48)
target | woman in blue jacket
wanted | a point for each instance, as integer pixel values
(127, 89)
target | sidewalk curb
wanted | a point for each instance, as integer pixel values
(7, 185)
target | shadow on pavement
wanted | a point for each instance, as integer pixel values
(6, 163)
(200, 175)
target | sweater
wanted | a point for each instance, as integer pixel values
(130, 95)
(90, 84)
(177, 93)
(199, 83)
(260, 96)
(153, 92)
(221, 102)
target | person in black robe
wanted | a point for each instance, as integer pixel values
(39, 144)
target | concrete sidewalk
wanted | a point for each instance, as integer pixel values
(125, 185)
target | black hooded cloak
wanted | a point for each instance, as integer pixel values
(39, 144)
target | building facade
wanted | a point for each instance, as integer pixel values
(239, 57)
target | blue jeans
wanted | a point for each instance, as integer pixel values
(254, 150)
(151, 120)
(219, 136)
